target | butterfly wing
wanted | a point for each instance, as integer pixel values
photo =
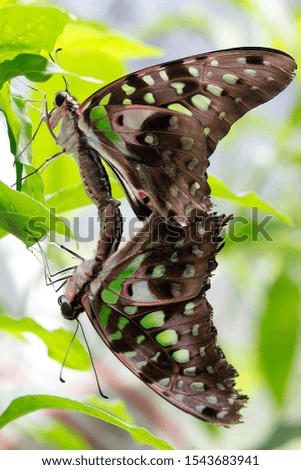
(157, 127)
(149, 307)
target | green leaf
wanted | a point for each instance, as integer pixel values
(13, 123)
(282, 436)
(95, 51)
(26, 218)
(3, 233)
(19, 132)
(278, 335)
(29, 29)
(60, 436)
(33, 66)
(19, 111)
(249, 199)
(34, 185)
(56, 341)
(116, 408)
(83, 36)
(75, 196)
(27, 404)
(4, 3)
(69, 198)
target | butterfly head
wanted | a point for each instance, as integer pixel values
(60, 98)
(68, 311)
(65, 108)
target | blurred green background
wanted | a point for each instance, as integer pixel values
(255, 290)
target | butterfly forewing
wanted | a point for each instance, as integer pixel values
(157, 127)
(149, 306)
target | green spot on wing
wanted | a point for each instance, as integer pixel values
(230, 78)
(130, 354)
(153, 320)
(140, 338)
(117, 335)
(197, 386)
(105, 99)
(148, 79)
(189, 308)
(201, 102)
(141, 364)
(190, 371)
(179, 108)
(130, 309)
(98, 112)
(158, 271)
(167, 338)
(116, 285)
(103, 124)
(149, 98)
(113, 137)
(181, 356)
(179, 86)
(194, 71)
(215, 90)
(186, 142)
(122, 322)
(164, 381)
(132, 267)
(109, 297)
(128, 90)
(104, 315)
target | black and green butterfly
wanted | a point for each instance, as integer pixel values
(148, 304)
(157, 127)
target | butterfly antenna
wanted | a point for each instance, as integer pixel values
(66, 83)
(64, 248)
(57, 61)
(79, 325)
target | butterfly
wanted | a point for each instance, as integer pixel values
(156, 128)
(147, 301)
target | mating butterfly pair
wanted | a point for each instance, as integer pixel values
(156, 128)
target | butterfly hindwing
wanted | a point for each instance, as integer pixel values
(158, 126)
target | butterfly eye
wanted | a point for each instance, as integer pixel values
(66, 309)
(60, 98)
